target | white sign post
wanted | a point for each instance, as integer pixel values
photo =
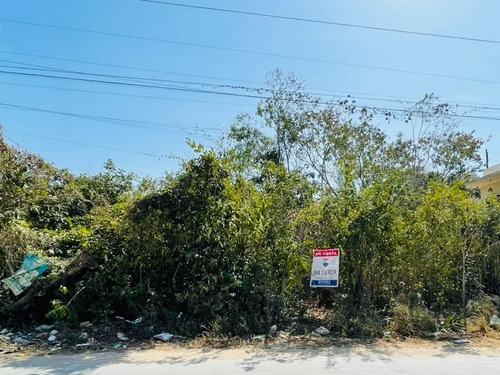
(325, 268)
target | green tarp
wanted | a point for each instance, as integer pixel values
(33, 266)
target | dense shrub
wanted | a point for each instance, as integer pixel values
(225, 244)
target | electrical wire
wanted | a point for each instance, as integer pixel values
(125, 95)
(125, 67)
(323, 22)
(160, 127)
(335, 92)
(364, 66)
(204, 91)
(88, 144)
(128, 84)
(45, 68)
(178, 88)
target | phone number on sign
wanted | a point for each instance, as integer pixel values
(325, 272)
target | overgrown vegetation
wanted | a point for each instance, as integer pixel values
(225, 244)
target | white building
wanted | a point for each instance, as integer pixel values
(489, 183)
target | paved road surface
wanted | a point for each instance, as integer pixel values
(252, 361)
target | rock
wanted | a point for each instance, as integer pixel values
(83, 336)
(461, 341)
(121, 336)
(315, 334)
(22, 342)
(52, 338)
(164, 336)
(322, 331)
(4, 331)
(54, 332)
(5, 338)
(44, 328)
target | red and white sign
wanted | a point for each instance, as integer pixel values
(325, 268)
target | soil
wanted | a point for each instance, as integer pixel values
(106, 340)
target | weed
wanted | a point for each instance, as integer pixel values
(408, 321)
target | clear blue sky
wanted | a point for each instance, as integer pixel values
(182, 113)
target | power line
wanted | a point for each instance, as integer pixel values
(399, 99)
(144, 125)
(178, 88)
(161, 127)
(122, 94)
(323, 22)
(214, 85)
(457, 115)
(12, 141)
(132, 78)
(212, 102)
(242, 95)
(159, 40)
(88, 144)
(349, 94)
(152, 84)
(137, 85)
(126, 67)
(45, 68)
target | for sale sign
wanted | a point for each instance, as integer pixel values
(325, 268)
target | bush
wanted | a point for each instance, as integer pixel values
(481, 308)
(423, 321)
(407, 321)
(453, 322)
(225, 245)
(13, 245)
(345, 323)
(478, 325)
(400, 321)
(479, 313)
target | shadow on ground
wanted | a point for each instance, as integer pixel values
(248, 359)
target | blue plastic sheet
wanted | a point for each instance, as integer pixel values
(32, 268)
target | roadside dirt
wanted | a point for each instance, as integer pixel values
(280, 347)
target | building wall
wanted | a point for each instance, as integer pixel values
(494, 185)
(489, 181)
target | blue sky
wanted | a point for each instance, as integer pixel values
(181, 115)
